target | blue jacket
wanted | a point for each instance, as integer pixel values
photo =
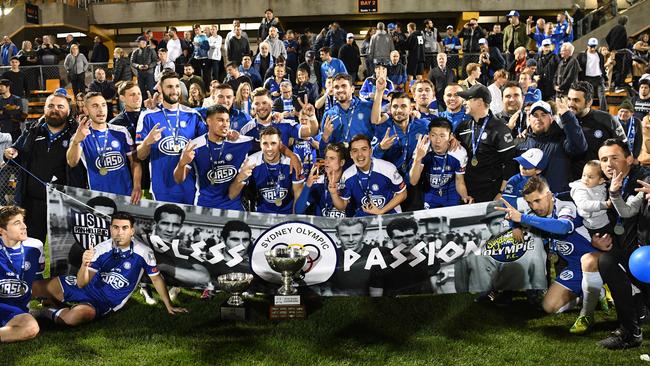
(204, 46)
(252, 73)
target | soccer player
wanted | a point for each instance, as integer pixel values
(107, 277)
(215, 161)
(561, 224)
(162, 133)
(21, 262)
(268, 173)
(425, 99)
(444, 169)
(373, 185)
(104, 149)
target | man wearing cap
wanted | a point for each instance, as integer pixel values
(11, 110)
(547, 62)
(491, 60)
(641, 101)
(450, 41)
(592, 70)
(489, 145)
(144, 61)
(351, 56)
(313, 65)
(514, 35)
(567, 69)
(632, 127)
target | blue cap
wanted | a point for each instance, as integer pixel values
(61, 91)
(391, 26)
(513, 13)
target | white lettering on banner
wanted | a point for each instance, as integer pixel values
(375, 259)
(397, 254)
(350, 257)
(416, 251)
(197, 250)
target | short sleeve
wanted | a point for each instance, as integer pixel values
(143, 128)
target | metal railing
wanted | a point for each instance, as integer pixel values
(38, 75)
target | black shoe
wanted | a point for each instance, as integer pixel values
(622, 339)
(486, 297)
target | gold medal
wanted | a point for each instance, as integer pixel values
(278, 202)
(619, 229)
(103, 171)
(474, 161)
(177, 148)
(22, 291)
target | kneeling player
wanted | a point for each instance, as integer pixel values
(21, 262)
(107, 277)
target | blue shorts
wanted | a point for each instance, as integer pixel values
(571, 278)
(8, 312)
(73, 294)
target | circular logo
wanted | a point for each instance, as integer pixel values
(183, 124)
(320, 264)
(166, 145)
(64, 143)
(115, 144)
(598, 134)
(503, 248)
(484, 136)
(228, 157)
(113, 160)
(375, 187)
(360, 115)
(127, 265)
(563, 247)
(27, 266)
(566, 275)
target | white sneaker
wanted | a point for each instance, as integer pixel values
(173, 293)
(150, 300)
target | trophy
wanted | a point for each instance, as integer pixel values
(235, 284)
(287, 261)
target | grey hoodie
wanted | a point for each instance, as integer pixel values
(380, 47)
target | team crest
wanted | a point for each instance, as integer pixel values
(484, 136)
(566, 275)
(115, 144)
(64, 143)
(127, 265)
(27, 265)
(228, 157)
(598, 134)
(183, 124)
(504, 248)
(375, 187)
(89, 229)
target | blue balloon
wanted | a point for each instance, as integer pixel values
(640, 264)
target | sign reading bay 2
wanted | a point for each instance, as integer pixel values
(368, 6)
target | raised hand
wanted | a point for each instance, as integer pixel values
(421, 148)
(562, 105)
(188, 154)
(645, 188)
(380, 85)
(10, 153)
(247, 169)
(151, 101)
(87, 257)
(388, 140)
(83, 130)
(512, 213)
(313, 175)
(154, 135)
(328, 129)
(617, 181)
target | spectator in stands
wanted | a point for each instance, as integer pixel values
(48, 54)
(280, 61)
(106, 88)
(182, 60)
(304, 87)
(243, 99)
(415, 54)
(350, 55)
(235, 23)
(365, 49)
(538, 32)
(398, 37)
(293, 49)
(450, 41)
(235, 78)
(531, 93)
(214, 53)
(247, 69)
(277, 46)
(100, 52)
(18, 78)
(330, 66)
(518, 63)
(491, 60)
(263, 60)
(397, 71)
(616, 39)
(163, 64)
(592, 70)
(144, 61)
(563, 31)
(367, 91)
(641, 101)
(11, 110)
(196, 96)
(200, 60)
(513, 104)
(335, 38)
(69, 41)
(514, 35)
(76, 65)
(547, 62)
(7, 51)
(272, 83)
(319, 41)
(631, 126)
(559, 144)
(174, 47)
(187, 42)
(500, 79)
(189, 78)
(441, 75)
(473, 74)
(238, 46)
(381, 45)
(121, 67)
(313, 65)
(495, 38)
(567, 70)
(267, 22)
(432, 43)
(471, 34)
(641, 58)
(287, 103)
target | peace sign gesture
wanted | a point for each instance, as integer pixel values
(617, 181)
(328, 128)
(388, 140)
(512, 213)
(247, 169)
(154, 135)
(421, 148)
(645, 188)
(187, 156)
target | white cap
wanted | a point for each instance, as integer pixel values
(350, 35)
(541, 105)
(592, 42)
(482, 41)
(546, 42)
(532, 158)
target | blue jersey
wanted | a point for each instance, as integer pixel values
(329, 69)
(320, 197)
(514, 189)
(237, 118)
(348, 123)
(306, 153)
(370, 86)
(288, 129)
(455, 118)
(432, 111)
(181, 126)
(273, 86)
(273, 184)
(378, 186)
(216, 166)
(439, 177)
(20, 266)
(117, 273)
(107, 152)
(402, 149)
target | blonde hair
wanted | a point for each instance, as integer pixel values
(239, 99)
(119, 51)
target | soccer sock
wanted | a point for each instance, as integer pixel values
(569, 305)
(591, 286)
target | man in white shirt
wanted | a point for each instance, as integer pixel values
(214, 54)
(500, 79)
(592, 65)
(173, 45)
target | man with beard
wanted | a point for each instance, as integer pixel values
(214, 160)
(513, 104)
(104, 150)
(162, 133)
(41, 150)
(641, 102)
(353, 279)
(597, 126)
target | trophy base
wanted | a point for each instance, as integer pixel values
(287, 307)
(230, 312)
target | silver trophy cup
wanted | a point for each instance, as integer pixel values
(235, 284)
(287, 261)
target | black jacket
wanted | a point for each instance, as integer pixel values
(582, 61)
(567, 73)
(351, 57)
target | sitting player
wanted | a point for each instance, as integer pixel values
(108, 275)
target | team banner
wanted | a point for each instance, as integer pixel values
(446, 250)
